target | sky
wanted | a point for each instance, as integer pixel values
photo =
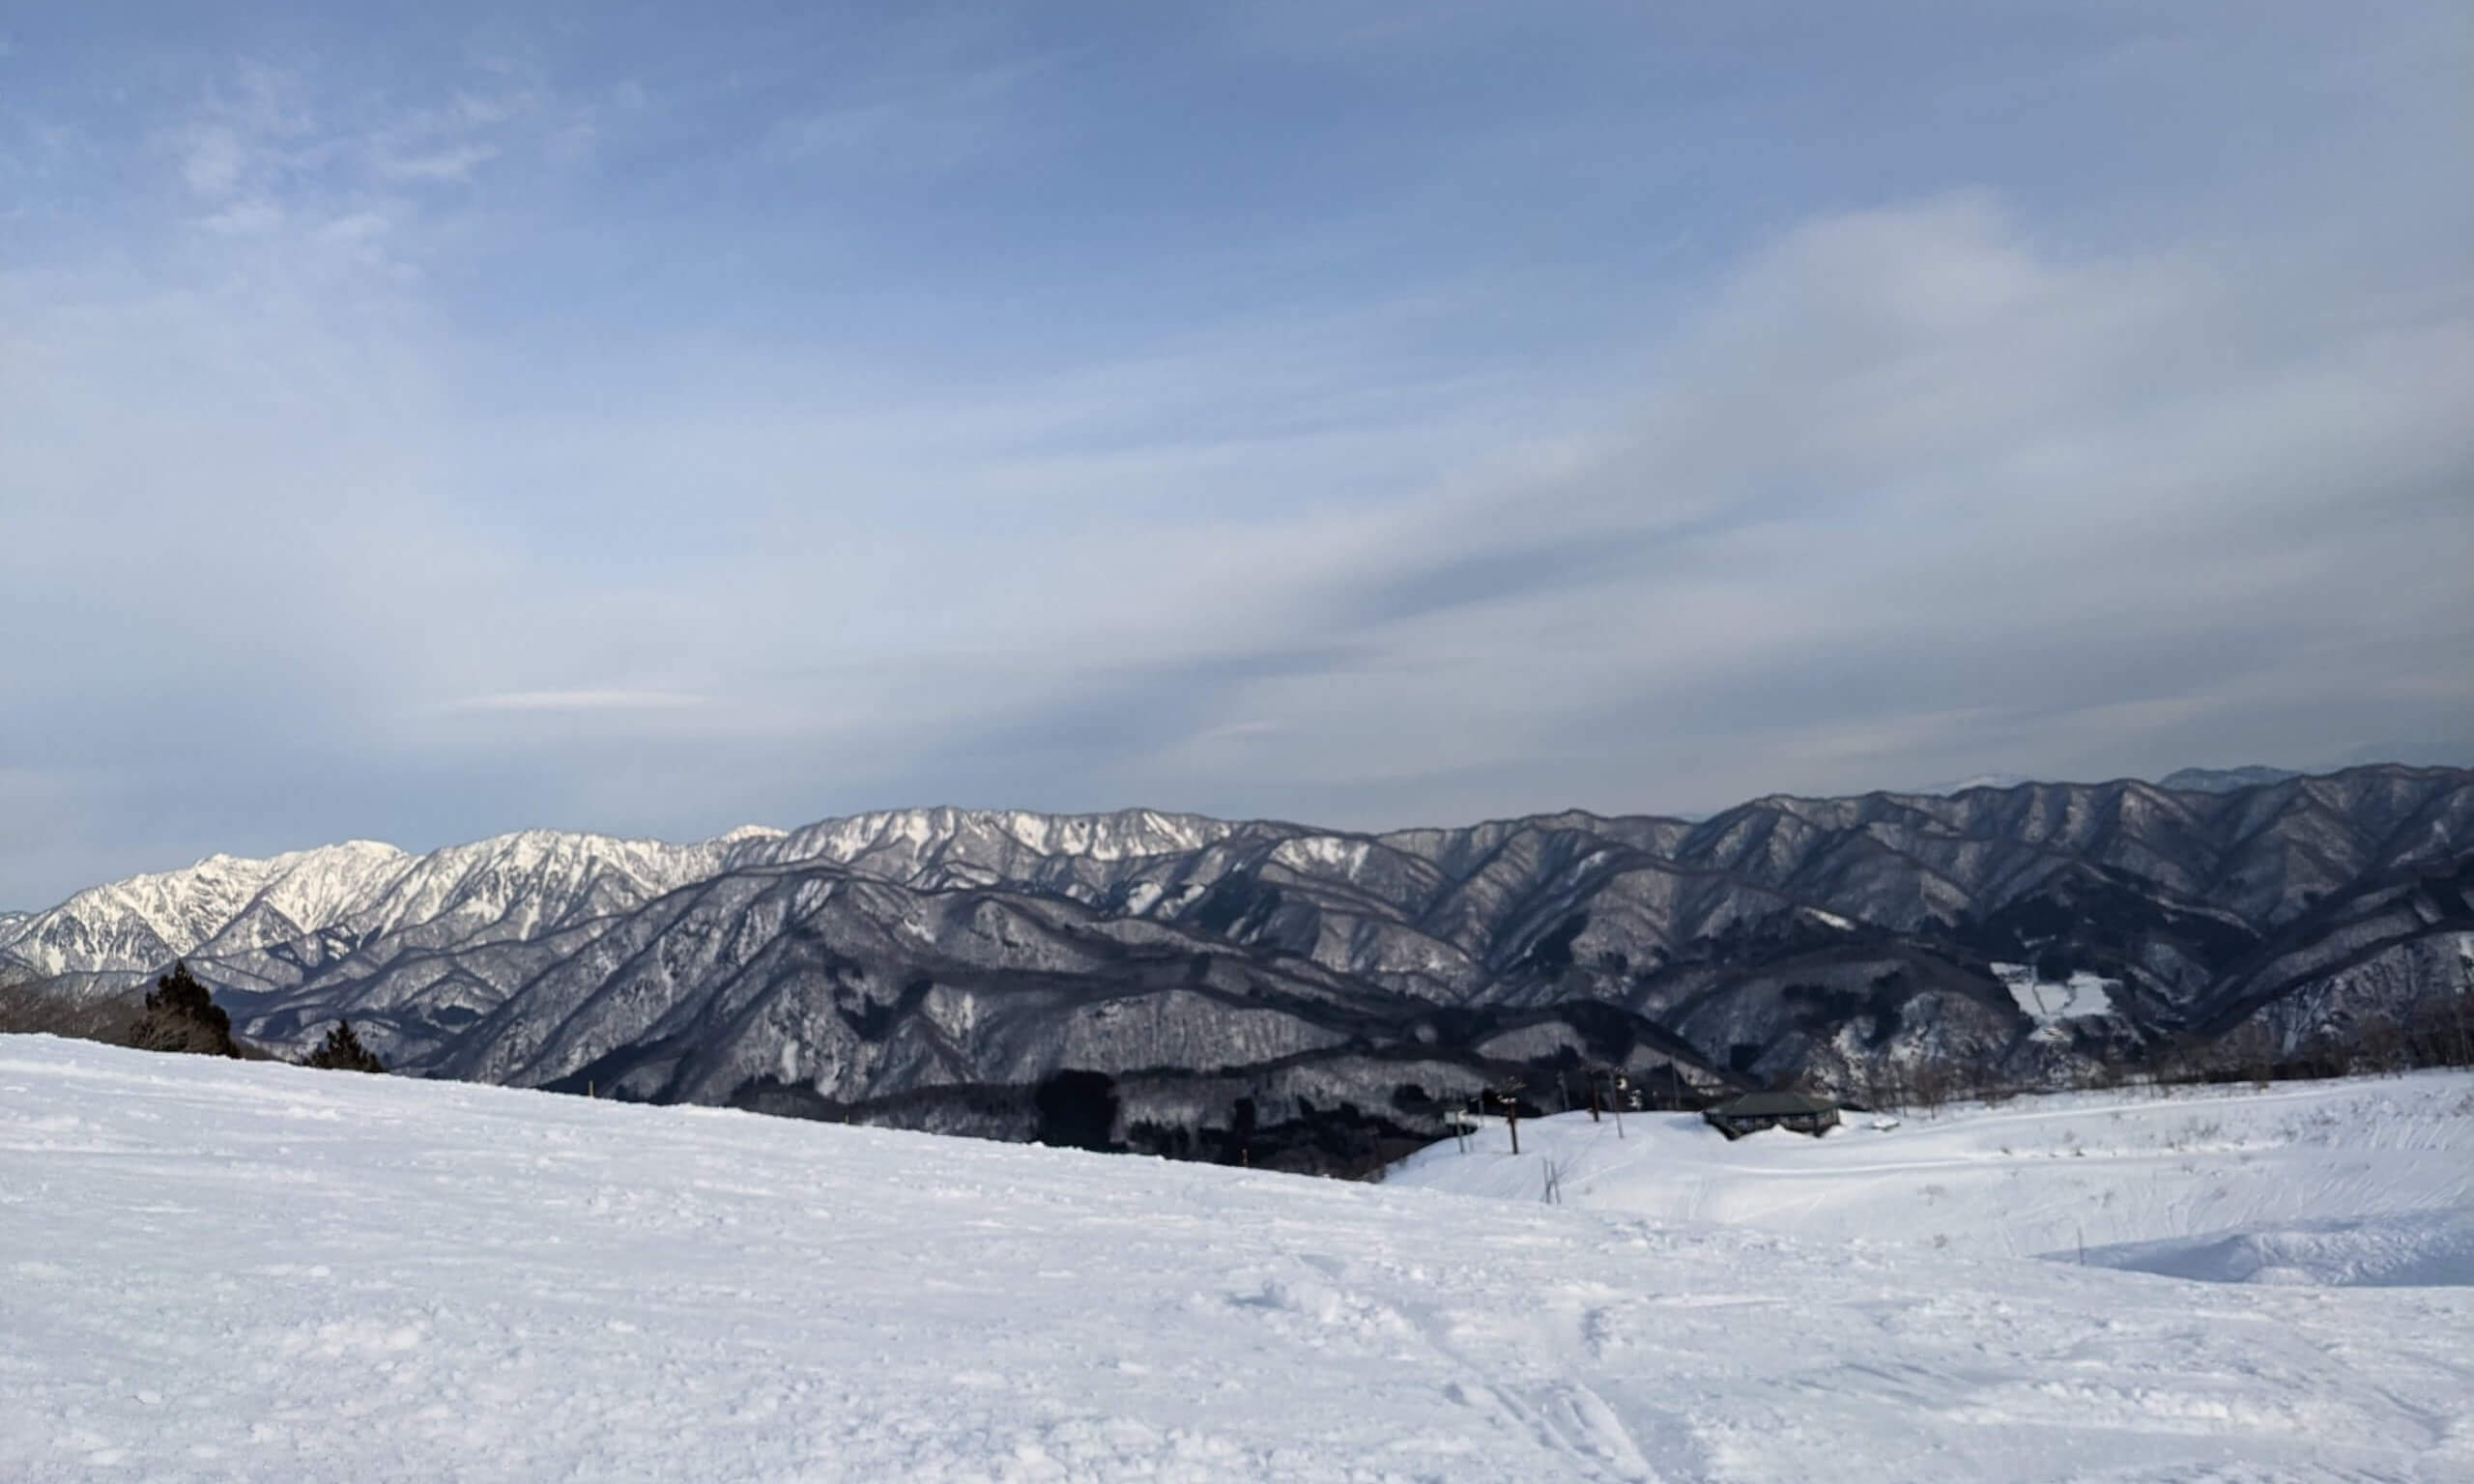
(652, 418)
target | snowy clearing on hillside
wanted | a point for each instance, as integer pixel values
(2081, 996)
(224, 1271)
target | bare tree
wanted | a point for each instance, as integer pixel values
(2380, 1044)
(32, 1006)
(2250, 1049)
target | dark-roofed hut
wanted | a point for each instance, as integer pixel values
(1800, 1111)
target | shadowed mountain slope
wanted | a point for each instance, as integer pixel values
(937, 966)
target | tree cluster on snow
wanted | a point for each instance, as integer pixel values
(342, 1052)
(181, 1015)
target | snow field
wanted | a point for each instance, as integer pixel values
(225, 1270)
(2035, 1176)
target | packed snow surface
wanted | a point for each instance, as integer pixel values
(212, 1269)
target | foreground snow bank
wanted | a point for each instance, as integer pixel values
(2408, 1249)
(2035, 1176)
(219, 1271)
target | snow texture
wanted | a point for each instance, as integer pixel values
(223, 1270)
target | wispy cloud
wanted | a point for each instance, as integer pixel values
(213, 160)
(933, 123)
(297, 154)
(456, 163)
(579, 701)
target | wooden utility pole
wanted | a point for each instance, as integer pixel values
(1508, 1094)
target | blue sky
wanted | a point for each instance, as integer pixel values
(649, 420)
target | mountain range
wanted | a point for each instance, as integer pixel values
(1227, 989)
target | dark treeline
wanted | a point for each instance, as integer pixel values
(1079, 1108)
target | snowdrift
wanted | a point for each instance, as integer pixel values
(2408, 1249)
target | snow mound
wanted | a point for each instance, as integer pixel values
(2408, 1249)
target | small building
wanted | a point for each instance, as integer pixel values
(1800, 1111)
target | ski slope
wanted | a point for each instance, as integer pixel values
(227, 1271)
(2361, 1181)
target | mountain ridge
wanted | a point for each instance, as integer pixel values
(939, 963)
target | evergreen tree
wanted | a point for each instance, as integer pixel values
(342, 1052)
(1078, 1110)
(181, 1015)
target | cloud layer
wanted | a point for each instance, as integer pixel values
(536, 430)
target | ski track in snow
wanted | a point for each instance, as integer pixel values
(223, 1270)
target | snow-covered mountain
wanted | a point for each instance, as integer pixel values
(2224, 779)
(2180, 779)
(1977, 781)
(342, 897)
(936, 966)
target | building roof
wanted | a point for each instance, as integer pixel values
(1772, 1105)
